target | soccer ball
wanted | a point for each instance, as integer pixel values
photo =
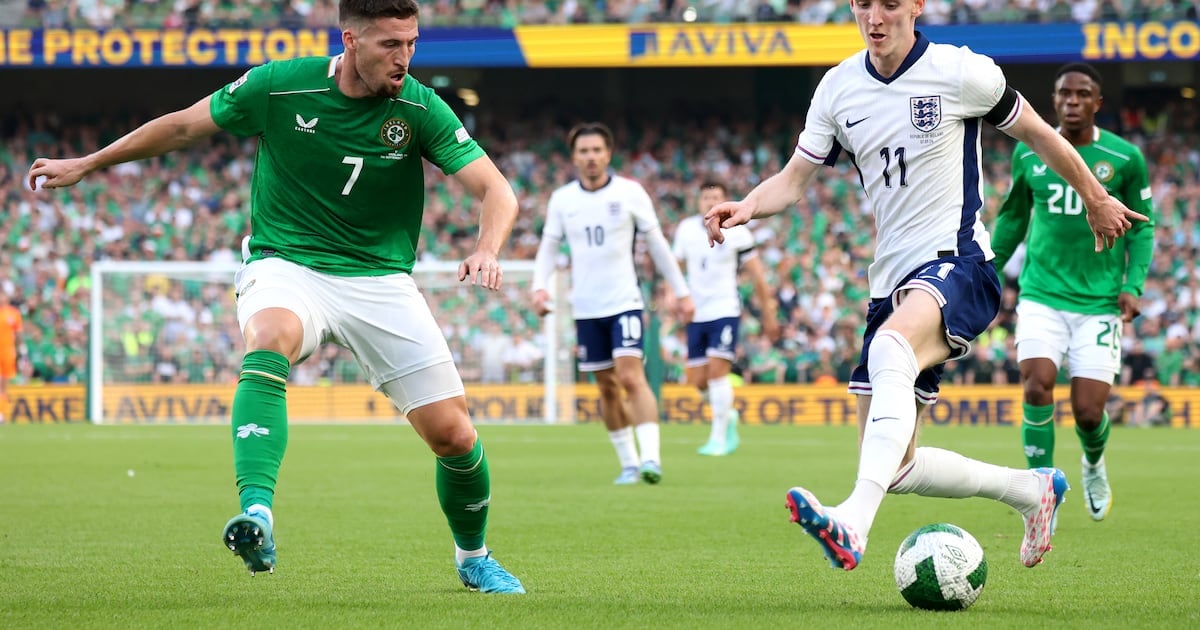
(940, 567)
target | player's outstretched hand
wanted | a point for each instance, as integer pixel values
(56, 173)
(541, 302)
(1130, 306)
(726, 215)
(483, 269)
(1109, 220)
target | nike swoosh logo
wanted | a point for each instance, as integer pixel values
(884, 418)
(1092, 504)
(851, 124)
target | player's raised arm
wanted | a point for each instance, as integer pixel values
(774, 195)
(1108, 217)
(162, 135)
(485, 182)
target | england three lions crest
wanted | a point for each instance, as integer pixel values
(925, 112)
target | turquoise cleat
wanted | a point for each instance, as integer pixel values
(731, 434)
(249, 536)
(485, 575)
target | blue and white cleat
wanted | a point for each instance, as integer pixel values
(1039, 523)
(485, 575)
(651, 472)
(628, 477)
(1096, 491)
(249, 535)
(841, 544)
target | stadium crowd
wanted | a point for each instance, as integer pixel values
(192, 206)
(509, 13)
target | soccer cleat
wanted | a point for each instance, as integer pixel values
(713, 448)
(1039, 524)
(731, 433)
(249, 536)
(485, 575)
(628, 476)
(841, 544)
(651, 472)
(1096, 491)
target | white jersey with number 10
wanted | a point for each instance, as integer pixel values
(599, 227)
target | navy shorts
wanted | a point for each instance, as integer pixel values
(601, 339)
(717, 339)
(968, 291)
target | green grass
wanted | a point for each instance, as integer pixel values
(119, 527)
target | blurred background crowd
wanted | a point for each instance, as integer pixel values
(193, 206)
(509, 13)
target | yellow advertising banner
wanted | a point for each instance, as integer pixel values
(675, 45)
(979, 405)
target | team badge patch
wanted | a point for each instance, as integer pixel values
(1104, 171)
(614, 208)
(396, 133)
(925, 112)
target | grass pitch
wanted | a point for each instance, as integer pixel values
(119, 527)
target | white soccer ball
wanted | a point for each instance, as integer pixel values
(940, 567)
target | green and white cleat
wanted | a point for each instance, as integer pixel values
(713, 448)
(1096, 491)
(249, 536)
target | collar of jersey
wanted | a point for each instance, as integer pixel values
(918, 49)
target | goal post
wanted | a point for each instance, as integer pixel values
(165, 348)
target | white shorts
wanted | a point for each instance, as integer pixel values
(1091, 344)
(383, 320)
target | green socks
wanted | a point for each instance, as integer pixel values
(260, 425)
(1093, 441)
(1037, 435)
(464, 489)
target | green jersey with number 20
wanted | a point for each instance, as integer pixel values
(338, 182)
(1062, 269)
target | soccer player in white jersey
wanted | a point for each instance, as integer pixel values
(598, 215)
(712, 274)
(909, 113)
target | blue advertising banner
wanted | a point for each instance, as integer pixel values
(610, 46)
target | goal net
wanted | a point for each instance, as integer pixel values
(165, 348)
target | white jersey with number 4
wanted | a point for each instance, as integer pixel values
(712, 271)
(599, 227)
(914, 138)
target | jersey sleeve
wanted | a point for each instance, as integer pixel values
(742, 241)
(679, 246)
(445, 141)
(241, 107)
(642, 209)
(1139, 241)
(1012, 220)
(817, 143)
(554, 227)
(984, 89)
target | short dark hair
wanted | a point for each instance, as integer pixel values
(1086, 69)
(590, 129)
(353, 10)
(715, 183)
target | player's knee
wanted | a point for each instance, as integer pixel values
(890, 357)
(452, 440)
(1088, 414)
(631, 380)
(1037, 393)
(277, 330)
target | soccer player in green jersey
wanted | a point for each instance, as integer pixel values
(1073, 302)
(336, 203)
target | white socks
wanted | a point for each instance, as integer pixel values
(461, 555)
(263, 511)
(622, 441)
(936, 472)
(891, 422)
(720, 397)
(647, 437)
